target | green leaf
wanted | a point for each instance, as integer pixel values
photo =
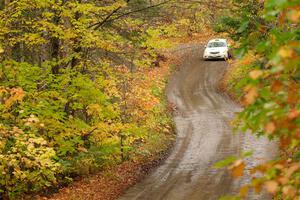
(230, 198)
(226, 162)
(247, 154)
(243, 27)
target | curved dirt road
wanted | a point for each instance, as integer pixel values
(204, 137)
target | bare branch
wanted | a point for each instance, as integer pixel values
(99, 24)
(110, 19)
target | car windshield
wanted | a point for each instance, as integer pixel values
(216, 44)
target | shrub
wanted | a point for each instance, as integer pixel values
(27, 163)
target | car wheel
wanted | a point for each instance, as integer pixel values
(227, 56)
(230, 55)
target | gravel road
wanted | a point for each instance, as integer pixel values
(204, 137)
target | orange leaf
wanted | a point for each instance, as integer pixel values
(282, 17)
(257, 185)
(283, 180)
(297, 134)
(251, 96)
(293, 98)
(293, 114)
(259, 168)
(284, 142)
(276, 86)
(270, 127)
(237, 168)
(272, 186)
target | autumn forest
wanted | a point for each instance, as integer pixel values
(83, 86)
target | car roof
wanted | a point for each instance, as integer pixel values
(217, 40)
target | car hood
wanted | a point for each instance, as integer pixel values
(216, 49)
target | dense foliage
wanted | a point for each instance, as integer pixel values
(81, 88)
(266, 78)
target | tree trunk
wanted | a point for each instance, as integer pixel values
(55, 45)
(4, 3)
(77, 49)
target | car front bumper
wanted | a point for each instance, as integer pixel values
(215, 56)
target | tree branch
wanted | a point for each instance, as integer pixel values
(109, 19)
(99, 24)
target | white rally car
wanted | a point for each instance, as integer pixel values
(217, 49)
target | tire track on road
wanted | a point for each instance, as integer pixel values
(204, 137)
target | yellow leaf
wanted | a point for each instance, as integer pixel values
(286, 53)
(82, 149)
(255, 74)
(289, 191)
(295, 16)
(291, 170)
(244, 191)
(257, 185)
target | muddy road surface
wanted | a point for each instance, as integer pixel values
(204, 137)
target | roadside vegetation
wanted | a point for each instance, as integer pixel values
(265, 79)
(82, 86)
